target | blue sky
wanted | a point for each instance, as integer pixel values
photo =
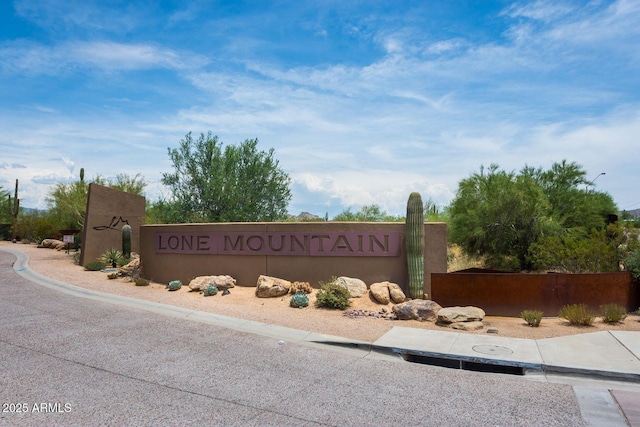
(363, 101)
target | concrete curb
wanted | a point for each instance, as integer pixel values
(283, 334)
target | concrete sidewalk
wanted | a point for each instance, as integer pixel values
(606, 354)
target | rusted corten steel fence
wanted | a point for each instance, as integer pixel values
(508, 294)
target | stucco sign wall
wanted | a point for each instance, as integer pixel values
(311, 252)
(372, 244)
(108, 210)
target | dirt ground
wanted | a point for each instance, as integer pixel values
(242, 303)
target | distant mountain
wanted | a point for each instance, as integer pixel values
(306, 216)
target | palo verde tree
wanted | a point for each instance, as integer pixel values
(505, 216)
(6, 206)
(367, 213)
(498, 214)
(67, 202)
(237, 183)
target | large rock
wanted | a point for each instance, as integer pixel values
(380, 292)
(269, 287)
(53, 244)
(386, 292)
(417, 309)
(460, 314)
(396, 293)
(356, 287)
(133, 267)
(221, 282)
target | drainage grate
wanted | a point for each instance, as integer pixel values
(446, 362)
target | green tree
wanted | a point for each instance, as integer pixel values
(128, 184)
(163, 211)
(67, 202)
(367, 213)
(535, 219)
(6, 205)
(573, 203)
(239, 183)
(498, 214)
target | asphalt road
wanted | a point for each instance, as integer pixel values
(66, 360)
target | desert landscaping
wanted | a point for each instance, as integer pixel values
(364, 320)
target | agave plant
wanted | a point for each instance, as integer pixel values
(210, 291)
(299, 300)
(113, 258)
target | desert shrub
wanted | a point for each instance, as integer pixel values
(577, 314)
(632, 264)
(94, 265)
(112, 276)
(300, 287)
(612, 313)
(332, 295)
(142, 282)
(36, 226)
(111, 256)
(532, 317)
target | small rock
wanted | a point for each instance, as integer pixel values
(467, 326)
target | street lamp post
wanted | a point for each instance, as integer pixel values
(590, 184)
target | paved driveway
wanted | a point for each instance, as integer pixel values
(66, 360)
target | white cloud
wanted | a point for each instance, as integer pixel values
(32, 58)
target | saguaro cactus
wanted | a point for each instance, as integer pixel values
(414, 235)
(126, 240)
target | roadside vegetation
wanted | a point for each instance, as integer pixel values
(530, 220)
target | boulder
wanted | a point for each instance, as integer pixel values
(467, 326)
(269, 287)
(380, 292)
(460, 314)
(46, 243)
(356, 287)
(132, 267)
(386, 292)
(201, 283)
(396, 293)
(417, 309)
(53, 244)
